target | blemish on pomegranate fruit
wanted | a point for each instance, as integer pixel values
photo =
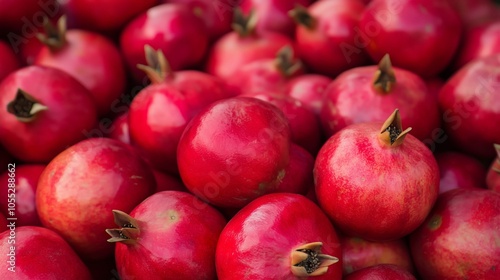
(435, 222)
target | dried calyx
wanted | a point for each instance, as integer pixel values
(244, 25)
(301, 16)
(128, 230)
(307, 260)
(157, 68)
(55, 36)
(384, 78)
(392, 133)
(25, 107)
(286, 63)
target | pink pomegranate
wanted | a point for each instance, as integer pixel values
(480, 41)
(9, 60)
(470, 107)
(460, 171)
(242, 46)
(308, 89)
(381, 272)
(86, 181)
(279, 236)
(24, 262)
(273, 15)
(173, 28)
(493, 175)
(89, 57)
(25, 181)
(242, 150)
(459, 238)
(420, 35)
(385, 173)
(327, 36)
(370, 94)
(45, 106)
(359, 253)
(171, 234)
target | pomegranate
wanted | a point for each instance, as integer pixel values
(279, 236)
(460, 171)
(25, 261)
(493, 175)
(470, 107)
(273, 15)
(86, 180)
(105, 16)
(167, 182)
(25, 179)
(173, 28)
(9, 60)
(381, 272)
(480, 41)
(420, 35)
(370, 93)
(90, 58)
(459, 238)
(242, 46)
(217, 15)
(242, 149)
(308, 89)
(386, 174)
(359, 253)
(327, 36)
(120, 129)
(170, 235)
(45, 106)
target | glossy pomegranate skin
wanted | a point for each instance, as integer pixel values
(402, 190)
(359, 253)
(241, 146)
(471, 109)
(351, 98)
(106, 16)
(332, 46)
(119, 129)
(480, 41)
(459, 238)
(9, 60)
(257, 242)
(31, 242)
(94, 61)
(232, 51)
(217, 15)
(309, 89)
(26, 180)
(86, 180)
(381, 272)
(460, 171)
(71, 112)
(178, 237)
(420, 35)
(273, 14)
(172, 28)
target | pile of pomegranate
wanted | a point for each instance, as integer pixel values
(247, 139)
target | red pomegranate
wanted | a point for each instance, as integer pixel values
(9, 60)
(170, 235)
(86, 181)
(470, 107)
(459, 238)
(173, 28)
(381, 272)
(327, 36)
(242, 46)
(25, 180)
(420, 35)
(480, 41)
(279, 236)
(359, 253)
(89, 57)
(493, 175)
(386, 174)
(460, 171)
(370, 94)
(59, 261)
(45, 106)
(242, 149)
(308, 89)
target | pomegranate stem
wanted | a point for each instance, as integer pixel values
(307, 260)
(392, 133)
(157, 68)
(301, 16)
(286, 63)
(384, 78)
(25, 107)
(55, 36)
(244, 25)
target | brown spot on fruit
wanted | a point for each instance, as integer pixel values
(435, 222)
